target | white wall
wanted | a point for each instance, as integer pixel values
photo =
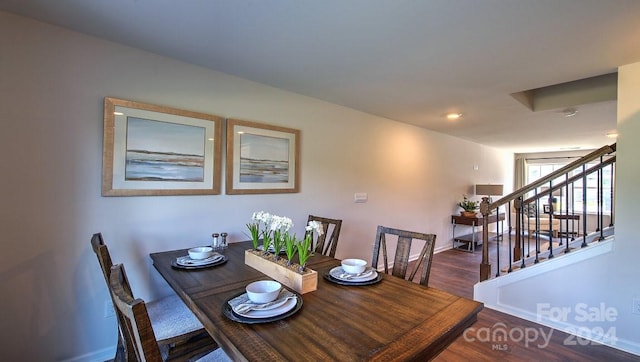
(608, 280)
(52, 87)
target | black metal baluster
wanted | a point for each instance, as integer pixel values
(598, 191)
(551, 211)
(601, 200)
(537, 251)
(498, 236)
(612, 165)
(566, 208)
(573, 210)
(521, 212)
(584, 206)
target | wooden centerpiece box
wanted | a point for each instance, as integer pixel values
(301, 282)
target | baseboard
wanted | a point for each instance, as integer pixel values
(441, 249)
(105, 354)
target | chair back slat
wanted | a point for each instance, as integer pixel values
(405, 241)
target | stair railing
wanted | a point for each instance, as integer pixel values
(522, 204)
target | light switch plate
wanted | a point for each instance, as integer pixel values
(360, 197)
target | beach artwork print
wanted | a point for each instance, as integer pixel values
(264, 159)
(163, 151)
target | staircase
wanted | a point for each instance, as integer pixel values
(569, 209)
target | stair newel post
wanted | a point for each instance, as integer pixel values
(485, 266)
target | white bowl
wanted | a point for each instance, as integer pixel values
(354, 266)
(263, 291)
(200, 252)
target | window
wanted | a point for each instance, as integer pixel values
(592, 190)
(536, 171)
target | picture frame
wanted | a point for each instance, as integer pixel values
(152, 150)
(546, 208)
(261, 159)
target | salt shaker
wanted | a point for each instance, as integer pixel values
(215, 243)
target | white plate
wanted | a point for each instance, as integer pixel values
(272, 312)
(338, 271)
(187, 261)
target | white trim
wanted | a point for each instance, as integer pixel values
(488, 291)
(485, 288)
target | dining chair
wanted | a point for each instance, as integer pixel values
(138, 332)
(178, 331)
(401, 263)
(327, 243)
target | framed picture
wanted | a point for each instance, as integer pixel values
(154, 150)
(546, 208)
(262, 159)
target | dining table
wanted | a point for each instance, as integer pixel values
(391, 319)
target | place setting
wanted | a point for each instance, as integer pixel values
(353, 272)
(262, 302)
(198, 258)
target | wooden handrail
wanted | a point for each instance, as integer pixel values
(605, 150)
(572, 179)
(487, 207)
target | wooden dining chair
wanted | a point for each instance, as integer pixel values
(401, 263)
(178, 331)
(327, 243)
(137, 329)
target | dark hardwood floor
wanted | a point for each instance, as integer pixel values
(456, 272)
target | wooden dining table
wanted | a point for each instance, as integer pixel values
(393, 319)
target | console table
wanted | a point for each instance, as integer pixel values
(470, 240)
(571, 230)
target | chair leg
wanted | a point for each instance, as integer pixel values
(190, 346)
(121, 352)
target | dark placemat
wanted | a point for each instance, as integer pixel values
(346, 282)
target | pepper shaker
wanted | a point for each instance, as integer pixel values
(223, 242)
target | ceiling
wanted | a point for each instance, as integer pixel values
(411, 61)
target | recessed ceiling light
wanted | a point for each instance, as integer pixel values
(570, 112)
(453, 116)
(612, 134)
